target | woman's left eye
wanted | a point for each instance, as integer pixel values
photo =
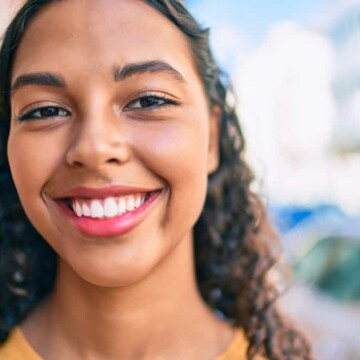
(44, 112)
(149, 102)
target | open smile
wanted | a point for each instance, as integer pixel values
(97, 215)
(109, 207)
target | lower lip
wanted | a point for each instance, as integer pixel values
(116, 226)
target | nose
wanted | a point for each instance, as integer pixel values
(97, 143)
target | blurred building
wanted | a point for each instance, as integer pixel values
(341, 23)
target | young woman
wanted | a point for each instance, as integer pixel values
(128, 162)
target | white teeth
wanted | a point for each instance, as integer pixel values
(86, 210)
(121, 205)
(137, 201)
(97, 210)
(110, 207)
(77, 209)
(130, 203)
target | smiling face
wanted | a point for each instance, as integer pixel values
(111, 137)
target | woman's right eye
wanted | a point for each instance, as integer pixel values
(44, 113)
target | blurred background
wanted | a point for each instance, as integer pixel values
(295, 66)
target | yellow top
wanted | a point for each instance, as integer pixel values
(18, 348)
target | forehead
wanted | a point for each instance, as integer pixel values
(95, 34)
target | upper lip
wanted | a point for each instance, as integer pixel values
(102, 193)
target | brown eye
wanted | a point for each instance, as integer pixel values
(44, 113)
(150, 102)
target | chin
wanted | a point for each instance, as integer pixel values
(114, 279)
(110, 271)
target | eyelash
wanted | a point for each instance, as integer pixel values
(30, 115)
(161, 103)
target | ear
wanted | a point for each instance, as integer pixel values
(214, 139)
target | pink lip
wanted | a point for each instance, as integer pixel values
(115, 226)
(101, 193)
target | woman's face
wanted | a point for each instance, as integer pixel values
(111, 137)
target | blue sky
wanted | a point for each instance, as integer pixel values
(254, 16)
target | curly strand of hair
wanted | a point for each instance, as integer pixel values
(233, 258)
(27, 263)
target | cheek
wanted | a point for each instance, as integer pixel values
(179, 156)
(180, 150)
(32, 161)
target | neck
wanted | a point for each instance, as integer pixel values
(137, 321)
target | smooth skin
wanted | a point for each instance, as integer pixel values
(132, 296)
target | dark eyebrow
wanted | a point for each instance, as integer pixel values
(38, 78)
(155, 66)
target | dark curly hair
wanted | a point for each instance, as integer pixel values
(233, 237)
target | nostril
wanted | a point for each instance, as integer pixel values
(113, 161)
(77, 163)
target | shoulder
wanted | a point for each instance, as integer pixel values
(236, 350)
(17, 348)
